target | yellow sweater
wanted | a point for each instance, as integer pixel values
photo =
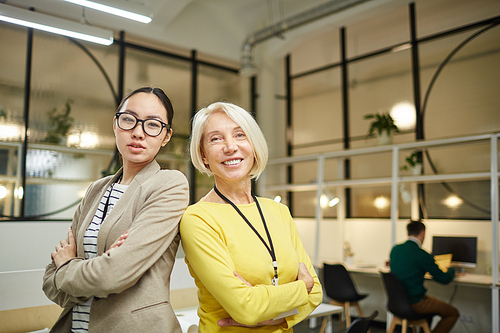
(218, 242)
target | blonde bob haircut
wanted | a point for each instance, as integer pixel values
(241, 117)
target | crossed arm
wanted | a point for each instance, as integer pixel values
(66, 250)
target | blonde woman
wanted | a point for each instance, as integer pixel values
(244, 252)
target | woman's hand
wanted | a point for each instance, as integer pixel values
(231, 322)
(305, 276)
(242, 279)
(118, 242)
(65, 251)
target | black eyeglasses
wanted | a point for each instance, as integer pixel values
(151, 127)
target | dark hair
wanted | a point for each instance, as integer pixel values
(414, 228)
(159, 93)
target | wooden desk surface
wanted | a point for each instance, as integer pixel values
(478, 280)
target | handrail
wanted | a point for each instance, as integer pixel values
(380, 149)
(394, 180)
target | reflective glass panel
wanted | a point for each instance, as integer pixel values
(71, 139)
(317, 96)
(12, 73)
(174, 77)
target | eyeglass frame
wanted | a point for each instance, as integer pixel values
(137, 120)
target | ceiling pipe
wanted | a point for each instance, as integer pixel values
(331, 7)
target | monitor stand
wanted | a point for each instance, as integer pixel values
(460, 270)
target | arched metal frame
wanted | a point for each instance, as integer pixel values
(344, 64)
(117, 95)
(422, 114)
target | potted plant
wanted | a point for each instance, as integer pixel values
(383, 126)
(413, 162)
(61, 122)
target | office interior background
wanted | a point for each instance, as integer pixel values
(309, 71)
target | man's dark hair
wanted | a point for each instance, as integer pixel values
(414, 228)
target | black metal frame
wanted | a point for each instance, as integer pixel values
(344, 64)
(117, 97)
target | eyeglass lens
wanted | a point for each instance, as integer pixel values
(151, 127)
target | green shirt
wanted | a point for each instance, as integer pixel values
(410, 263)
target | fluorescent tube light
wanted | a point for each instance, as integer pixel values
(136, 14)
(55, 25)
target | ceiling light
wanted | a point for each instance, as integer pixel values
(87, 140)
(19, 192)
(333, 202)
(10, 132)
(139, 13)
(55, 25)
(323, 201)
(453, 201)
(404, 115)
(381, 202)
(328, 200)
(3, 191)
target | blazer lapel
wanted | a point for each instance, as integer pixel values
(90, 210)
(125, 202)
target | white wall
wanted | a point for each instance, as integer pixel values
(25, 249)
(370, 240)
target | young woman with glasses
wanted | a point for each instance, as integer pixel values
(103, 283)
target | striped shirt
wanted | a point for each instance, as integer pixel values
(81, 312)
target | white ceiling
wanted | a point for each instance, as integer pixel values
(213, 27)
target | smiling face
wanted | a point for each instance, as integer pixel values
(226, 150)
(134, 145)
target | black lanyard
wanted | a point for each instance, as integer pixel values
(107, 203)
(269, 248)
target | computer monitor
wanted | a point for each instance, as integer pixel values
(463, 249)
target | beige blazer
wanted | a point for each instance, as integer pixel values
(131, 283)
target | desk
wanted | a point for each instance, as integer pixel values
(326, 310)
(188, 317)
(475, 280)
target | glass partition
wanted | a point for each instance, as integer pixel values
(12, 72)
(377, 85)
(145, 69)
(72, 102)
(216, 85)
(317, 96)
(463, 87)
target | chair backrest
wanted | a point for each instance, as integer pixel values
(338, 283)
(362, 324)
(397, 300)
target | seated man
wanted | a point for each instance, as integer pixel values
(409, 262)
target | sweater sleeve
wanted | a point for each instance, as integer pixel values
(153, 229)
(438, 275)
(316, 295)
(210, 260)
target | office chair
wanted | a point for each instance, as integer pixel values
(340, 288)
(399, 305)
(362, 324)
